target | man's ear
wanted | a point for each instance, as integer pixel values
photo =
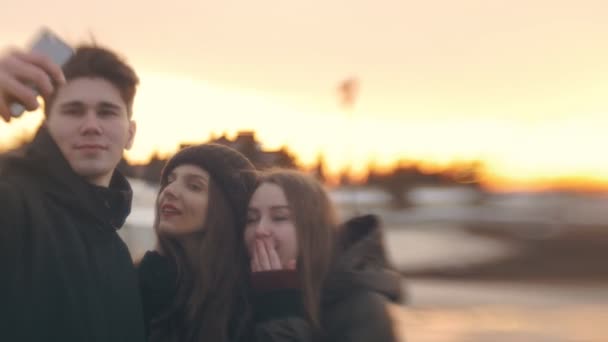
(132, 130)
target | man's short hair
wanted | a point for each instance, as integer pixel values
(94, 61)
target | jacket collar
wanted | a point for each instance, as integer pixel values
(109, 206)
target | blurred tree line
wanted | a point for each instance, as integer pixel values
(245, 142)
(396, 182)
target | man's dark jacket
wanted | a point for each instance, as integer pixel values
(65, 274)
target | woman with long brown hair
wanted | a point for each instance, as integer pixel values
(195, 285)
(316, 279)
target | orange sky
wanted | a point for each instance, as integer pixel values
(521, 85)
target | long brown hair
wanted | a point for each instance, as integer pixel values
(212, 286)
(315, 221)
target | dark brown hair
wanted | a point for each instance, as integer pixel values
(94, 61)
(315, 220)
(212, 286)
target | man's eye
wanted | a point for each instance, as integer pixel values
(107, 112)
(72, 111)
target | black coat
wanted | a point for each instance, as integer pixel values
(361, 283)
(66, 274)
(157, 276)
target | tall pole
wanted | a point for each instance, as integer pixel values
(349, 91)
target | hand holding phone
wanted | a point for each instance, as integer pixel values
(23, 76)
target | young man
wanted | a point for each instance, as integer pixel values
(65, 274)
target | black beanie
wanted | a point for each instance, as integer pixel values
(228, 168)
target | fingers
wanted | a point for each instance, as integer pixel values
(11, 90)
(14, 89)
(4, 111)
(264, 256)
(273, 256)
(46, 64)
(19, 72)
(26, 72)
(255, 265)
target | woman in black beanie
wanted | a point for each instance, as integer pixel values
(194, 286)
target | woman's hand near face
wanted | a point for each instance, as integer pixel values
(265, 257)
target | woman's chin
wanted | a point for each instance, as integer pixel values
(168, 229)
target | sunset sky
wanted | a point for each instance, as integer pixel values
(520, 85)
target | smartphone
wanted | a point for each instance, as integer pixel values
(50, 45)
